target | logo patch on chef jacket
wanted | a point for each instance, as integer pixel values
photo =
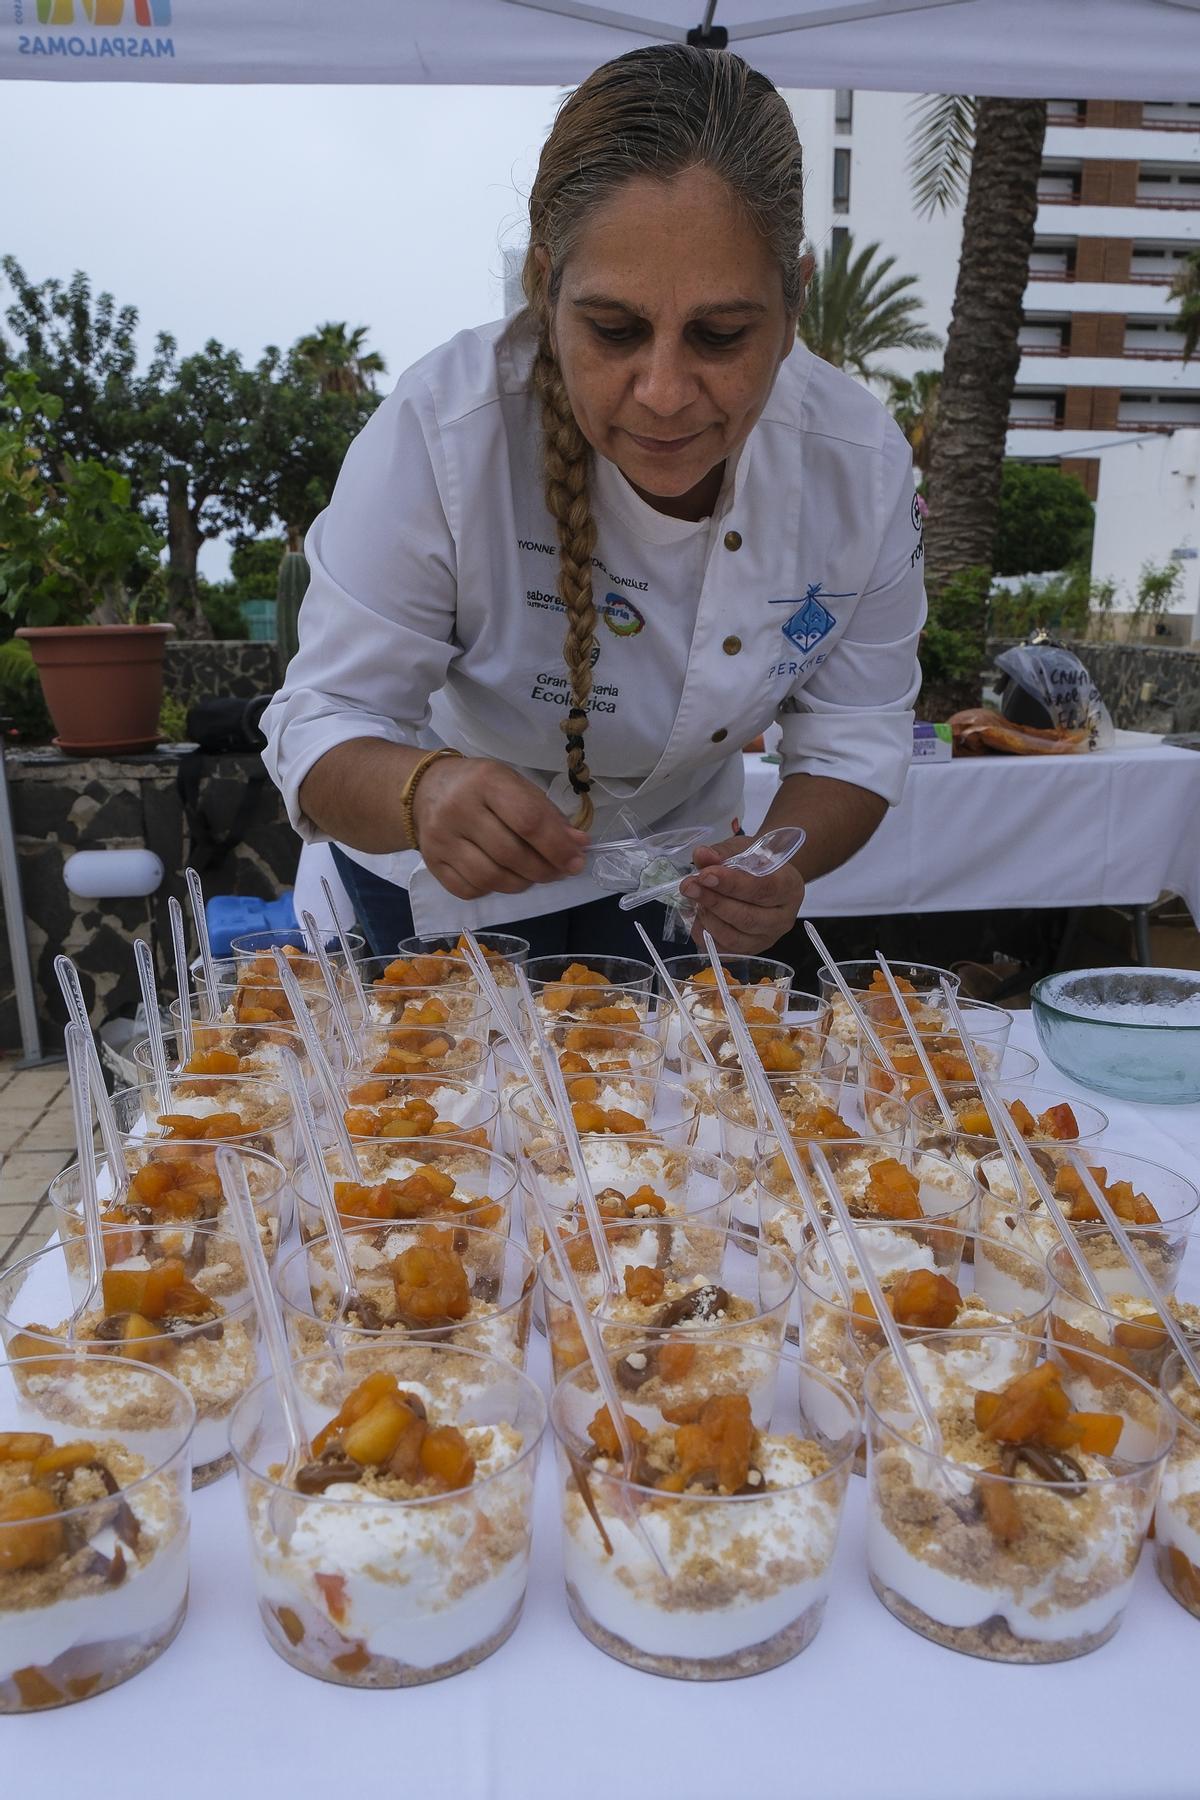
(811, 621)
(621, 616)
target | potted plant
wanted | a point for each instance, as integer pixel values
(70, 542)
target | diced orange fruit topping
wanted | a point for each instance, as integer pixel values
(676, 1358)
(160, 1291)
(1034, 1407)
(603, 1433)
(23, 1446)
(922, 1297)
(892, 1190)
(446, 1455)
(1021, 1117)
(31, 1534)
(431, 1285)
(717, 1447)
(61, 1459)
(213, 1062)
(1059, 1122)
(1132, 1208)
(218, 1126)
(645, 1285)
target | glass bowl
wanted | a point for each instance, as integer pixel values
(1133, 1033)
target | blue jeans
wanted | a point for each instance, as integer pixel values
(598, 928)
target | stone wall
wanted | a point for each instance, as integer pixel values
(1121, 670)
(62, 804)
(195, 670)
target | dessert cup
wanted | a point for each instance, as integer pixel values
(575, 985)
(255, 1050)
(1161, 1241)
(461, 1285)
(94, 1500)
(693, 976)
(368, 1590)
(174, 1185)
(396, 1107)
(1011, 1567)
(707, 1292)
(747, 1569)
(209, 1343)
(1046, 1118)
(1127, 1330)
(298, 947)
(994, 1285)
(442, 960)
(429, 1179)
(637, 1178)
(865, 979)
(406, 1049)
(393, 998)
(1177, 1515)
(987, 1027)
(602, 1065)
(907, 1188)
(249, 994)
(249, 1112)
(809, 1103)
(624, 1109)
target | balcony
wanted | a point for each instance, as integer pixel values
(1144, 143)
(1164, 372)
(1050, 292)
(1058, 218)
(1048, 197)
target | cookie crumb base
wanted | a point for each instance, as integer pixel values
(381, 1671)
(72, 1677)
(753, 1660)
(992, 1641)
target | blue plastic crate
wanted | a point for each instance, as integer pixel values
(236, 915)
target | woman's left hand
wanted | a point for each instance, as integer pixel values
(746, 914)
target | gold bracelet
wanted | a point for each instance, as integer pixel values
(409, 790)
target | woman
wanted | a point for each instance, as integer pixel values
(725, 525)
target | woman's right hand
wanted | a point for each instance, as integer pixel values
(484, 829)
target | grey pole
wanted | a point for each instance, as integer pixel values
(14, 914)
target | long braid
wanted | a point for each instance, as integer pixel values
(567, 456)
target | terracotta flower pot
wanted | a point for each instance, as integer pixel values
(102, 683)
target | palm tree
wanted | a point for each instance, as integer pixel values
(992, 149)
(336, 357)
(1186, 288)
(914, 406)
(856, 310)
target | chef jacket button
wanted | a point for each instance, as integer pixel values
(733, 540)
(718, 737)
(731, 646)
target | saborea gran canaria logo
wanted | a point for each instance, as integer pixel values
(109, 30)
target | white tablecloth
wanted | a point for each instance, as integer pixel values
(869, 1712)
(1117, 827)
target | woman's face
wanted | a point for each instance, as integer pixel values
(669, 328)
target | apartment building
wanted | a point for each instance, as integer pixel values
(1118, 212)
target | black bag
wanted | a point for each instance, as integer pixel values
(221, 726)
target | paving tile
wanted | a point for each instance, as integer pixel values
(48, 1134)
(39, 1085)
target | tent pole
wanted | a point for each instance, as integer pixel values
(14, 913)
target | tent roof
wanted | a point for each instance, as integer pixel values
(1134, 49)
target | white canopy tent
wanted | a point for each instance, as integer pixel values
(1133, 49)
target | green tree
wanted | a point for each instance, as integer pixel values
(1044, 521)
(856, 310)
(913, 404)
(254, 566)
(338, 359)
(299, 439)
(1186, 289)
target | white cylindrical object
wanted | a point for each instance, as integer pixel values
(113, 874)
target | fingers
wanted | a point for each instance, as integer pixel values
(513, 853)
(532, 818)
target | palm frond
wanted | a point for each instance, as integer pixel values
(940, 146)
(858, 309)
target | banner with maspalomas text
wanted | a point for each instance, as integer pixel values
(1111, 49)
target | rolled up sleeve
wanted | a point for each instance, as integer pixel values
(853, 719)
(377, 624)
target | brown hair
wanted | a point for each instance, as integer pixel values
(655, 112)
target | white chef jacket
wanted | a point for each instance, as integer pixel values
(431, 615)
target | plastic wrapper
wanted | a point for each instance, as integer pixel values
(648, 866)
(1056, 678)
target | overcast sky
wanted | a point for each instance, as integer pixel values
(253, 214)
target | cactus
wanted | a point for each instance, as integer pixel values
(289, 592)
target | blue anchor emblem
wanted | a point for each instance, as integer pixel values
(811, 621)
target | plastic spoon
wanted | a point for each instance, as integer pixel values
(763, 857)
(199, 920)
(236, 1189)
(560, 1105)
(1010, 1140)
(356, 981)
(114, 1149)
(76, 1041)
(144, 959)
(322, 1185)
(477, 963)
(1112, 1219)
(183, 978)
(341, 1018)
(673, 993)
(860, 1018)
(769, 1108)
(315, 1051)
(923, 1056)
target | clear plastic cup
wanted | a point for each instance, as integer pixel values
(875, 1112)
(631, 1111)
(747, 1572)
(369, 1591)
(476, 1290)
(997, 1285)
(255, 1050)
(426, 1050)
(297, 941)
(788, 1027)
(865, 980)
(633, 1177)
(402, 1106)
(605, 1065)
(568, 984)
(441, 960)
(938, 1188)
(404, 1002)
(175, 1184)
(249, 993)
(1177, 1515)
(1161, 1243)
(1073, 1122)
(246, 1111)
(1128, 1330)
(74, 1625)
(1008, 1567)
(705, 1290)
(459, 1184)
(810, 1105)
(212, 1352)
(987, 1027)
(693, 975)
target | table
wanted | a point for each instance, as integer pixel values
(1113, 828)
(222, 1717)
